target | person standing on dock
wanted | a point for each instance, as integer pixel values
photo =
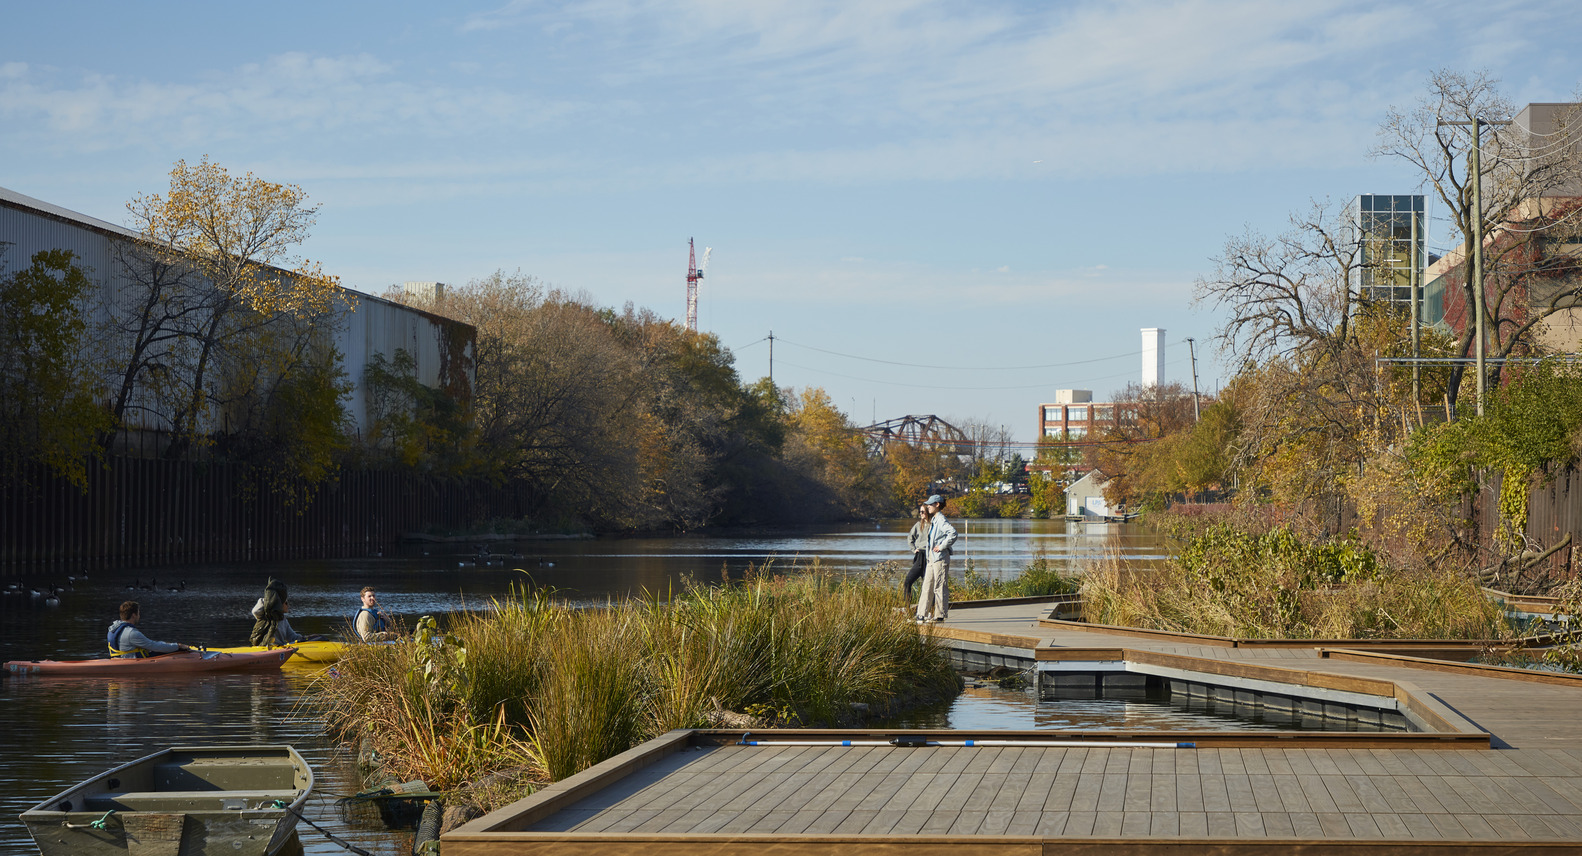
(914, 540)
(934, 604)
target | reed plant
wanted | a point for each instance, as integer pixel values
(1225, 582)
(550, 689)
(1039, 578)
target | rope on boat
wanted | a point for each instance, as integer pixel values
(322, 831)
(101, 823)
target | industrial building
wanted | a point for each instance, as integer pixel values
(1074, 415)
(364, 328)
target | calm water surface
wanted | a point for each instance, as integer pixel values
(62, 731)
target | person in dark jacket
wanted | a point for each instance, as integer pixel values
(270, 626)
(914, 540)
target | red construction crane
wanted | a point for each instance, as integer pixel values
(694, 273)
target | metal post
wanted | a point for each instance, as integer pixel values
(1191, 350)
(771, 359)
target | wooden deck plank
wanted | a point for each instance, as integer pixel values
(1341, 795)
(1216, 794)
(1192, 823)
(1395, 796)
(1391, 825)
(1304, 824)
(1112, 792)
(1107, 824)
(1506, 827)
(1264, 793)
(1238, 787)
(1188, 793)
(1052, 824)
(1249, 824)
(1477, 828)
(1332, 824)
(1221, 824)
(939, 823)
(1316, 793)
(1024, 822)
(1420, 826)
(854, 823)
(1277, 824)
(1420, 795)
(1362, 825)
(1138, 792)
(880, 822)
(1081, 823)
(1164, 823)
(911, 822)
(1162, 793)
(1135, 824)
(1292, 796)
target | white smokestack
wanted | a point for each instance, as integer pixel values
(1153, 356)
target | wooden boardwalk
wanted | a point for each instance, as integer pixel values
(688, 793)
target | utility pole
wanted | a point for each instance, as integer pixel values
(1192, 350)
(771, 358)
(1416, 279)
(1476, 177)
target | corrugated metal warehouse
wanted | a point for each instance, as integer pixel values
(369, 326)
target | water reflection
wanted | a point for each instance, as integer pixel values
(992, 707)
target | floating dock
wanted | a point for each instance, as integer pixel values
(1492, 764)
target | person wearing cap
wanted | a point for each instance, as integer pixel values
(940, 536)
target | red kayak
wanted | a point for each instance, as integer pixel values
(162, 664)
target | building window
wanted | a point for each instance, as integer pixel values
(1076, 432)
(1051, 414)
(1103, 413)
(1052, 431)
(1077, 414)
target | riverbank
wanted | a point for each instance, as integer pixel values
(530, 690)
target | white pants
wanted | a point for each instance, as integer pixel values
(936, 589)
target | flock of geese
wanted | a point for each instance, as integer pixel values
(49, 594)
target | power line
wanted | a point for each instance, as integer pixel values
(1173, 363)
(969, 368)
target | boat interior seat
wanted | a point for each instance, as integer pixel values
(185, 800)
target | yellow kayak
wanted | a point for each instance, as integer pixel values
(307, 652)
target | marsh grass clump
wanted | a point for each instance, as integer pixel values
(1039, 578)
(1226, 582)
(532, 689)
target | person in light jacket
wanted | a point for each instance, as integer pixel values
(940, 536)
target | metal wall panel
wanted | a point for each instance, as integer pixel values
(372, 325)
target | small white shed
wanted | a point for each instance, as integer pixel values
(1085, 497)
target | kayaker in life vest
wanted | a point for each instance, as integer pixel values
(371, 624)
(270, 627)
(125, 640)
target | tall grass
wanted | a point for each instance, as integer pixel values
(1040, 578)
(1225, 582)
(550, 690)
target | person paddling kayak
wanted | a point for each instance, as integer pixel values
(371, 624)
(125, 640)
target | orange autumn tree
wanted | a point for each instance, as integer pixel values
(227, 313)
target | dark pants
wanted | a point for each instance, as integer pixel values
(912, 576)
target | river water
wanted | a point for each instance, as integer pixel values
(60, 731)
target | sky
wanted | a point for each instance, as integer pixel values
(936, 208)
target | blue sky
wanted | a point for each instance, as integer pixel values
(1006, 192)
